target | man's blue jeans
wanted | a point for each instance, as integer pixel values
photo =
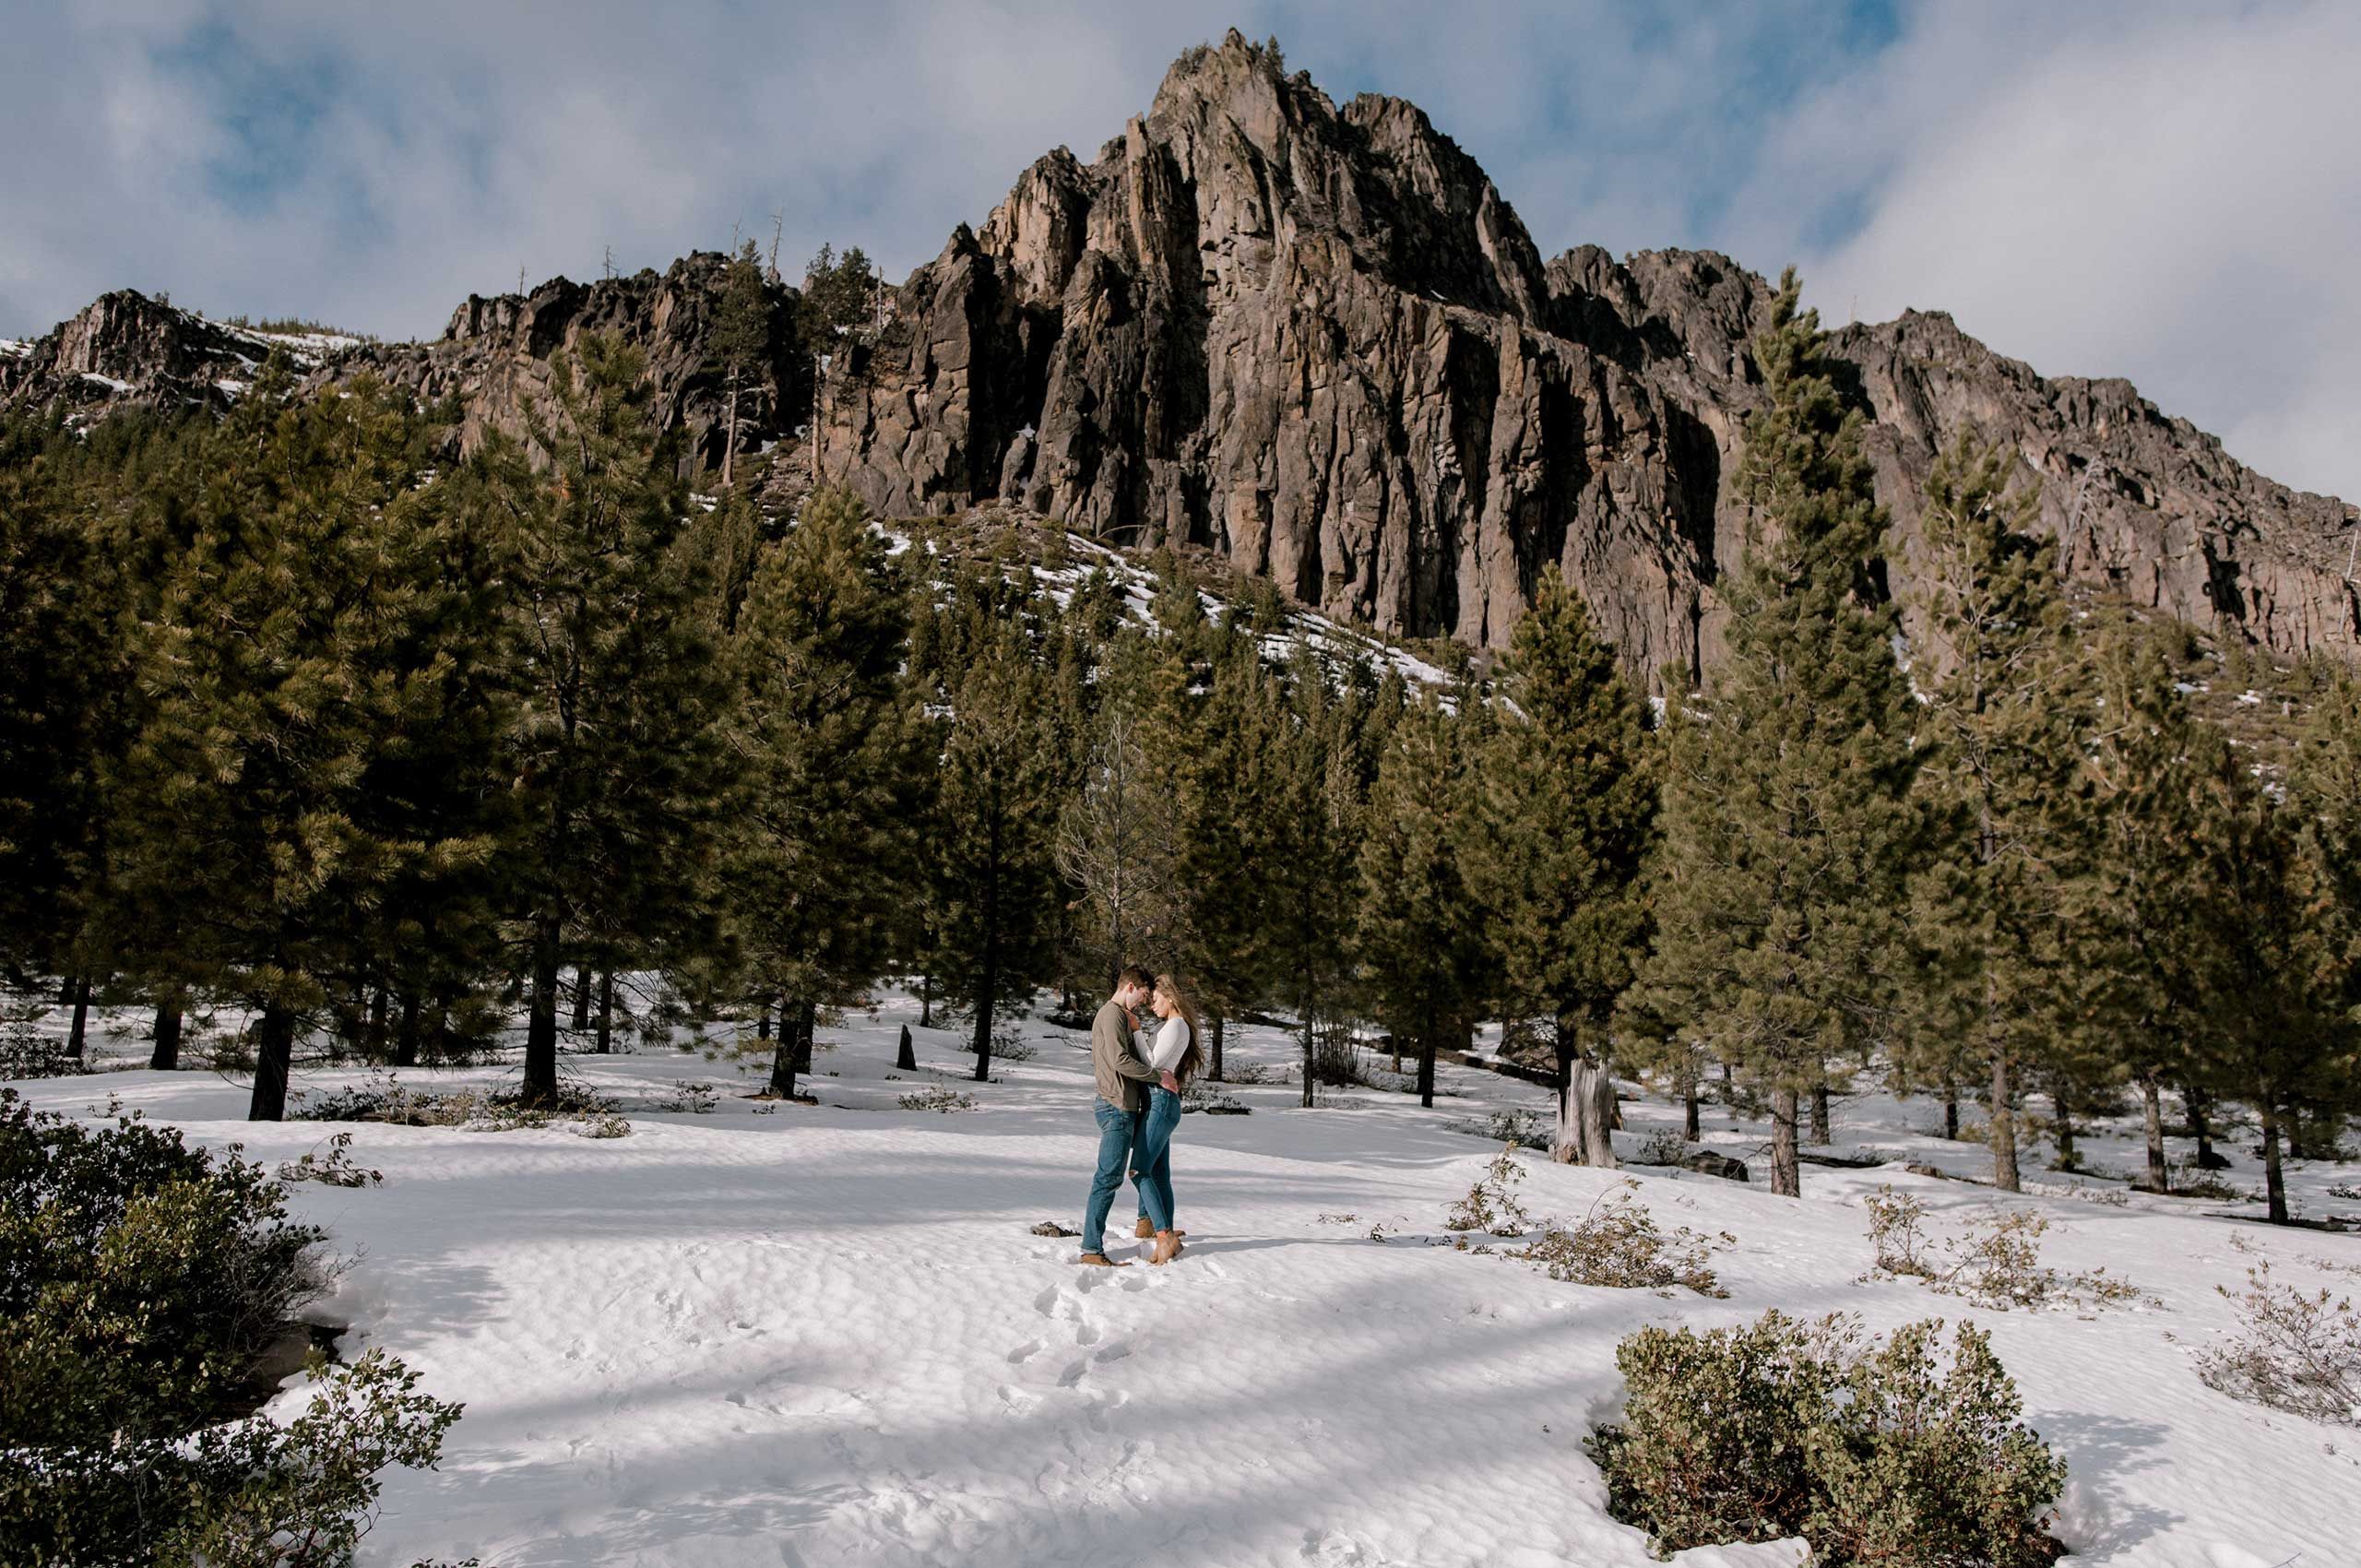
(1151, 1158)
(1118, 1131)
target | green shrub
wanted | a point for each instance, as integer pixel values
(141, 1279)
(1883, 1453)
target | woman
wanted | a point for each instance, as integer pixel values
(1174, 1052)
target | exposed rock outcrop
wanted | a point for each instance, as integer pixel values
(495, 357)
(1317, 341)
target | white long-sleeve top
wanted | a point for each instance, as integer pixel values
(1171, 1044)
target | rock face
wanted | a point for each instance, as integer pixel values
(1317, 342)
(495, 357)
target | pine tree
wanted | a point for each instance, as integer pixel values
(299, 653)
(2140, 957)
(742, 332)
(820, 861)
(1998, 787)
(1786, 828)
(1115, 843)
(1565, 818)
(617, 745)
(1420, 939)
(994, 817)
(2274, 958)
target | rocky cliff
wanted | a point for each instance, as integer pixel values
(494, 358)
(1318, 342)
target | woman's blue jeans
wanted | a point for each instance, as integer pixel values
(1151, 1158)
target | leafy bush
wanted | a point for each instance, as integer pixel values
(1663, 1146)
(24, 1052)
(1878, 1454)
(2294, 1352)
(939, 1096)
(1251, 1072)
(1491, 1204)
(141, 1279)
(385, 1098)
(1007, 1045)
(1619, 1244)
(696, 1098)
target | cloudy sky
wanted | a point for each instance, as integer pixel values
(2163, 189)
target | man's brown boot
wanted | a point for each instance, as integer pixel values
(1099, 1260)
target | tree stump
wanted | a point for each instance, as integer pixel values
(906, 1059)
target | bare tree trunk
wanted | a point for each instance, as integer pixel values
(926, 1001)
(1566, 1142)
(806, 1020)
(785, 1060)
(2067, 1157)
(2152, 1113)
(1594, 1096)
(539, 1090)
(1220, 1027)
(373, 1045)
(405, 1033)
(1689, 1127)
(274, 1055)
(2200, 1126)
(1786, 1175)
(606, 1012)
(167, 1054)
(581, 997)
(2003, 1127)
(1820, 1114)
(763, 1024)
(2275, 1182)
(1951, 1108)
(729, 445)
(78, 992)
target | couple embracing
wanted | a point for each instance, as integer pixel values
(1139, 1105)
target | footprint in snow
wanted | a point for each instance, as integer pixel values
(1046, 1302)
(1024, 1352)
(1114, 1352)
(1073, 1374)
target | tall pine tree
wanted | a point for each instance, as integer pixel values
(1565, 819)
(1999, 785)
(1786, 828)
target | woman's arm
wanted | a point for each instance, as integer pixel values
(1171, 1044)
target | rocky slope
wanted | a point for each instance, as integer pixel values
(1317, 342)
(494, 357)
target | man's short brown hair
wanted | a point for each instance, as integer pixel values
(1135, 975)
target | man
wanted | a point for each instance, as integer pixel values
(1122, 1100)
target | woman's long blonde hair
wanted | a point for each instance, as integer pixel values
(1192, 1058)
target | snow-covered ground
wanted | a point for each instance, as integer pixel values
(825, 1335)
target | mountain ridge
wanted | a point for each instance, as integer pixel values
(1318, 343)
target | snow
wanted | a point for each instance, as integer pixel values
(109, 382)
(306, 349)
(15, 349)
(823, 1334)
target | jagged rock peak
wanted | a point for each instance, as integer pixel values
(1319, 343)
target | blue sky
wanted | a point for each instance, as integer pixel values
(2163, 189)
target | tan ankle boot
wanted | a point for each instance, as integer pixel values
(1145, 1228)
(1167, 1247)
(1099, 1260)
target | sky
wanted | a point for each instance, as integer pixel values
(2162, 189)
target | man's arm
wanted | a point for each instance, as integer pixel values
(1106, 1043)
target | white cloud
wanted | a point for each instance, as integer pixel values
(2160, 188)
(2166, 192)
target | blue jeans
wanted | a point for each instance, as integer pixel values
(1118, 1131)
(1151, 1159)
